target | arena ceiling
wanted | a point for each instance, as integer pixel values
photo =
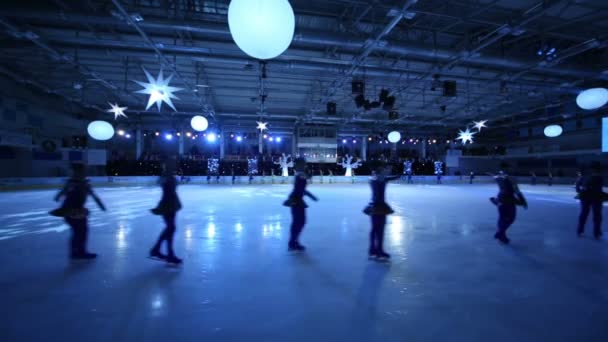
(509, 58)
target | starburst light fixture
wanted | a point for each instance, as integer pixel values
(117, 110)
(466, 136)
(480, 124)
(262, 125)
(159, 90)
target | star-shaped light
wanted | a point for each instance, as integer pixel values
(262, 125)
(480, 124)
(159, 90)
(465, 136)
(117, 110)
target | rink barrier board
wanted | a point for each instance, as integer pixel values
(8, 184)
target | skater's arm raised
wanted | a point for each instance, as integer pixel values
(97, 199)
(307, 193)
(61, 193)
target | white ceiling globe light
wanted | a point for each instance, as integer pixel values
(394, 137)
(263, 29)
(199, 123)
(592, 98)
(100, 130)
(553, 131)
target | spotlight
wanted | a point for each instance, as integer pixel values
(231, 135)
(121, 132)
(193, 138)
(188, 134)
(239, 138)
(344, 141)
(271, 139)
(211, 137)
(179, 134)
(434, 141)
(157, 133)
(369, 138)
(279, 139)
(411, 140)
(265, 136)
(447, 142)
(219, 136)
(169, 136)
(128, 136)
(354, 141)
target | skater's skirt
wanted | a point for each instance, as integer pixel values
(74, 213)
(374, 209)
(166, 208)
(295, 202)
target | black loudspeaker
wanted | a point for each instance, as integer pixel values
(389, 103)
(383, 95)
(358, 87)
(393, 115)
(449, 88)
(331, 108)
(359, 101)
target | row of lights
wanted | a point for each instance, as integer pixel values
(211, 137)
(403, 142)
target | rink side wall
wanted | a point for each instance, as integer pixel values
(9, 184)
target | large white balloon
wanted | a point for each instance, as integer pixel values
(100, 130)
(199, 123)
(394, 137)
(592, 98)
(553, 131)
(263, 29)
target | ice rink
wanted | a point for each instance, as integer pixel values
(448, 280)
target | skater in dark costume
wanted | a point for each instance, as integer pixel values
(591, 195)
(298, 206)
(471, 177)
(378, 209)
(76, 191)
(508, 198)
(233, 175)
(168, 207)
(533, 179)
(550, 179)
(438, 171)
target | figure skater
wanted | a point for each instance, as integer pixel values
(591, 195)
(508, 198)
(438, 170)
(73, 211)
(550, 179)
(533, 179)
(298, 206)
(168, 207)
(407, 170)
(471, 177)
(378, 209)
(232, 174)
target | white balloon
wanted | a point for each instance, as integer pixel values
(592, 98)
(100, 130)
(394, 137)
(553, 131)
(199, 123)
(263, 29)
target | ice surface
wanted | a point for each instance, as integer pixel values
(448, 281)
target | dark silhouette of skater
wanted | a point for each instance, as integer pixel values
(168, 207)
(550, 179)
(378, 209)
(533, 179)
(591, 195)
(471, 177)
(508, 198)
(76, 191)
(297, 204)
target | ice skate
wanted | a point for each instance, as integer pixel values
(172, 259)
(83, 256)
(155, 254)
